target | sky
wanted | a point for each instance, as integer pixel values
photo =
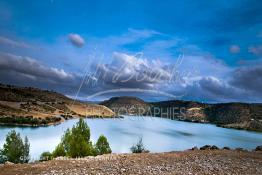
(207, 51)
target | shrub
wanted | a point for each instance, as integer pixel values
(14, 149)
(45, 156)
(138, 147)
(102, 146)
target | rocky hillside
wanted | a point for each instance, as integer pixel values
(236, 115)
(230, 115)
(33, 106)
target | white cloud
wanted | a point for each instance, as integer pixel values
(76, 40)
(13, 43)
(256, 50)
(234, 49)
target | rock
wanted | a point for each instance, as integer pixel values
(240, 149)
(9, 163)
(194, 148)
(206, 147)
(258, 148)
(226, 148)
(214, 147)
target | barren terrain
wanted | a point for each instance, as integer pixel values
(186, 162)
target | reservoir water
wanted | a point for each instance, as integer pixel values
(159, 135)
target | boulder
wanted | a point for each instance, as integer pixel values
(206, 147)
(226, 148)
(8, 163)
(258, 148)
(194, 148)
(214, 147)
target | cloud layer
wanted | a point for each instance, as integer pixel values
(134, 71)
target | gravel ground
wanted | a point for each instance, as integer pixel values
(186, 162)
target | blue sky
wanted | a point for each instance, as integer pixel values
(53, 44)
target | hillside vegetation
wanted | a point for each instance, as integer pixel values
(230, 115)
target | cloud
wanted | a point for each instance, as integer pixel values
(132, 71)
(234, 49)
(219, 90)
(131, 36)
(76, 40)
(31, 68)
(13, 43)
(256, 50)
(249, 79)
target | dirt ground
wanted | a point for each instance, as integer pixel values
(186, 162)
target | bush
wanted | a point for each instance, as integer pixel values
(14, 149)
(102, 146)
(138, 147)
(45, 156)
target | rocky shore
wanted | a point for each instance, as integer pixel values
(208, 160)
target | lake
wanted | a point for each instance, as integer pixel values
(159, 135)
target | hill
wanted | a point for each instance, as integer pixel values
(127, 105)
(34, 107)
(230, 115)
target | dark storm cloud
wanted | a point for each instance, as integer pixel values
(249, 79)
(27, 71)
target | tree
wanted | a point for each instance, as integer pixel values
(3, 158)
(26, 156)
(76, 141)
(102, 146)
(138, 147)
(14, 149)
(45, 156)
(59, 151)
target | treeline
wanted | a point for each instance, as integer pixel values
(28, 120)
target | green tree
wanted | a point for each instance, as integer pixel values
(76, 141)
(3, 158)
(138, 147)
(14, 149)
(26, 156)
(59, 151)
(102, 146)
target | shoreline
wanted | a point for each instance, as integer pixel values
(119, 117)
(63, 119)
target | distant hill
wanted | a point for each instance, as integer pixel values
(231, 115)
(33, 106)
(127, 105)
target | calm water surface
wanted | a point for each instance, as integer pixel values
(159, 135)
